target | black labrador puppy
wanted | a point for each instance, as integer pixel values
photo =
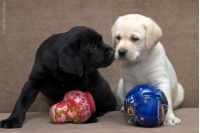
(64, 62)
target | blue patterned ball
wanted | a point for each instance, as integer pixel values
(146, 105)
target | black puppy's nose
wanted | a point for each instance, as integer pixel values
(110, 51)
(122, 52)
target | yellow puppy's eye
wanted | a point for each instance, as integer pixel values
(134, 39)
(118, 37)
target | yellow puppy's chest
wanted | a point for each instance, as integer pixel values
(136, 74)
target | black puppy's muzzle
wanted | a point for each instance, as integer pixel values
(108, 57)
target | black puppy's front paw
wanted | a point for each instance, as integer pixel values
(10, 123)
(92, 119)
(99, 114)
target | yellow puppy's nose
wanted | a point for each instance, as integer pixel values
(122, 52)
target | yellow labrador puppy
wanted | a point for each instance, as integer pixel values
(143, 60)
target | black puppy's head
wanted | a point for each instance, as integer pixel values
(83, 49)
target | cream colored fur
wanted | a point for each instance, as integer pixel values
(145, 61)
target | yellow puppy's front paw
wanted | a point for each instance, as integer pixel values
(171, 121)
(122, 109)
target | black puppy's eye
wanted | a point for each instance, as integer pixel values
(134, 39)
(118, 38)
(93, 45)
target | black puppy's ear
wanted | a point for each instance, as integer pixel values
(70, 61)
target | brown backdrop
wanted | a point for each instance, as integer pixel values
(25, 24)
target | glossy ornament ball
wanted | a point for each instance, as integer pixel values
(146, 105)
(76, 107)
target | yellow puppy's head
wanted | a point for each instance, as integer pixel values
(132, 34)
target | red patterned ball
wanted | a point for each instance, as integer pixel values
(76, 107)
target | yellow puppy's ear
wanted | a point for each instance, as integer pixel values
(113, 31)
(153, 33)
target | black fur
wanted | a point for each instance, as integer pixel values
(64, 62)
